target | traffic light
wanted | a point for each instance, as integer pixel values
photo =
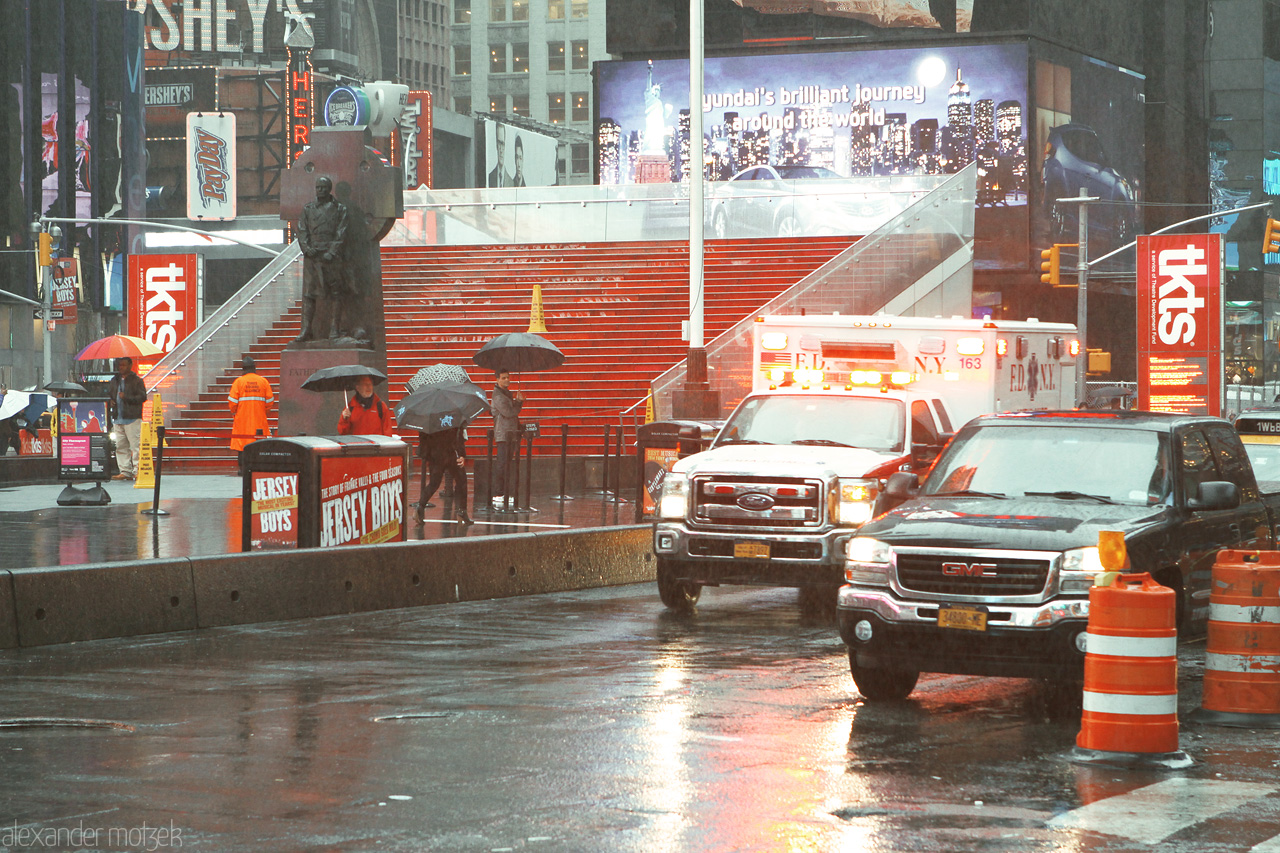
(1271, 238)
(45, 251)
(1049, 264)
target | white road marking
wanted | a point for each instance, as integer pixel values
(1271, 845)
(1157, 811)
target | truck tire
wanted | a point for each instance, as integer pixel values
(819, 602)
(880, 684)
(675, 593)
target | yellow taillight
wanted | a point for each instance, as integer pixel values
(970, 346)
(773, 340)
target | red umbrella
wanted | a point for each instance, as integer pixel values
(118, 346)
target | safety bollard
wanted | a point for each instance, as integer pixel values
(564, 463)
(1130, 705)
(1242, 652)
(604, 460)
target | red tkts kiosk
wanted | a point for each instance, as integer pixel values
(322, 492)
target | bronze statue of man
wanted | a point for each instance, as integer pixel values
(322, 230)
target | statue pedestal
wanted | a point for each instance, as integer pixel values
(653, 169)
(316, 412)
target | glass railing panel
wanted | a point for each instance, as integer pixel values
(937, 228)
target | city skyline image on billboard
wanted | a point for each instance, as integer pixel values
(862, 113)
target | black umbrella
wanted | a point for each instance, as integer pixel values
(435, 408)
(65, 387)
(519, 352)
(340, 377)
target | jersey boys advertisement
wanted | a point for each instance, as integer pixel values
(1180, 323)
(361, 500)
(273, 511)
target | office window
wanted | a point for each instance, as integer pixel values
(519, 10)
(498, 104)
(555, 56)
(497, 59)
(578, 8)
(462, 12)
(579, 51)
(462, 59)
(555, 109)
(462, 106)
(497, 10)
(520, 58)
(581, 107)
(555, 9)
(520, 105)
(581, 153)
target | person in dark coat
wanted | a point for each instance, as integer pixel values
(442, 453)
(126, 393)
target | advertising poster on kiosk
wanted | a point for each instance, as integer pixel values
(84, 446)
(273, 511)
(1179, 303)
(362, 500)
(658, 462)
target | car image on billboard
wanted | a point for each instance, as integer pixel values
(786, 201)
(1074, 159)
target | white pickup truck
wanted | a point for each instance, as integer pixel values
(838, 405)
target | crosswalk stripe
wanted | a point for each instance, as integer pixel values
(1157, 811)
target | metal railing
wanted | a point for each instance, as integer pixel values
(183, 374)
(918, 263)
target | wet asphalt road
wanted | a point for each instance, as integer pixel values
(589, 721)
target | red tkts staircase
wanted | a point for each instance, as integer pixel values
(614, 309)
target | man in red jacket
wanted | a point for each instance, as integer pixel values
(366, 414)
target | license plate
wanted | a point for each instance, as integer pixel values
(751, 550)
(964, 618)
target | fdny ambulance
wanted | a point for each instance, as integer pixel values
(838, 404)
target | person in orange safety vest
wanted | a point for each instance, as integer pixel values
(250, 400)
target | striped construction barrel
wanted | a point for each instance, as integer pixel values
(1130, 703)
(1242, 653)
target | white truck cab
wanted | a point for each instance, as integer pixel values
(838, 404)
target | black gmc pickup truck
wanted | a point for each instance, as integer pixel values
(985, 568)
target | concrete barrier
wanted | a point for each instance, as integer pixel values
(95, 601)
(8, 615)
(240, 589)
(43, 606)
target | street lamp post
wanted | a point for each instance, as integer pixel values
(696, 400)
(1082, 297)
(45, 236)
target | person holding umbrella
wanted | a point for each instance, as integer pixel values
(250, 400)
(444, 453)
(506, 431)
(125, 395)
(365, 413)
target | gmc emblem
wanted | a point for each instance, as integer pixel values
(970, 570)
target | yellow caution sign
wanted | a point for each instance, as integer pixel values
(157, 415)
(648, 409)
(537, 323)
(146, 478)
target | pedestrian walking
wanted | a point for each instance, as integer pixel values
(126, 392)
(443, 454)
(365, 413)
(506, 432)
(250, 401)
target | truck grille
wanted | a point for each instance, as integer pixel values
(778, 502)
(972, 574)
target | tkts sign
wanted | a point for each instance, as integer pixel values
(1179, 305)
(211, 166)
(164, 297)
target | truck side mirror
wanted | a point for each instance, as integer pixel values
(690, 433)
(1215, 494)
(902, 485)
(923, 453)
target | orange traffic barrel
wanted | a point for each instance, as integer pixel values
(1130, 705)
(1242, 653)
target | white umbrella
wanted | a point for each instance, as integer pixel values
(17, 402)
(437, 374)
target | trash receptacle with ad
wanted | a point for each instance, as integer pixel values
(322, 492)
(658, 446)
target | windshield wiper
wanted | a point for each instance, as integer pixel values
(1068, 494)
(968, 493)
(825, 442)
